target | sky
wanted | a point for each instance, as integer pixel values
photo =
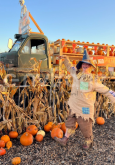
(79, 20)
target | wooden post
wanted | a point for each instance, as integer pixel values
(60, 61)
(107, 56)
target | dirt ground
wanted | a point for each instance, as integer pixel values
(48, 152)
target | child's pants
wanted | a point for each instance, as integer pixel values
(85, 125)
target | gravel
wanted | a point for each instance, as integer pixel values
(48, 152)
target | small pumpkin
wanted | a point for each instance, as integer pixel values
(2, 151)
(50, 122)
(93, 72)
(57, 62)
(5, 138)
(55, 126)
(2, 143)
(90, 52)
(65, 49)
(63, 127)
(76, 125)
(8, 145)
(16, 160)
(77, 52)
(57, 132)
(100, 120)
(39, 137)
(47, 127)
(41, 132)
(26, 139)
(99, 73)
(111, 53)
(69, 50)
(100, 52)
(32, 129)
(74, 62)
(13, 134)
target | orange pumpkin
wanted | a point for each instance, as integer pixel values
(47, 127)
(99, 73)
(100, 120)
(32, 129)
(57, 132)
(63, 127)
(13, 134)
(65, 49)
(50, 122)
(69, 50)
(100, 52)
(68, 72)
(2, 151)
(57, 62)
(57, 72)
(2, 144)
(90, 52)
(5, 138)
(16, 160)
(74, 62)
(55, 126)
(93, 72)
(103, 54)
(39, 137)
(76, 125)
(26, 139)
(77, 52)
(111, 53)
(8, 145)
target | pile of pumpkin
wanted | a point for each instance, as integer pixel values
(26, 139)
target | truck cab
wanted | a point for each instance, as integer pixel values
(25, 47)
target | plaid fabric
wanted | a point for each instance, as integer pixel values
(85, 110)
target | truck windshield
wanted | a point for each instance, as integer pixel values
(17, 45)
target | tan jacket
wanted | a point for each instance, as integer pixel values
(83, 92)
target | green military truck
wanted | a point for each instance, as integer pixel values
(27, 46)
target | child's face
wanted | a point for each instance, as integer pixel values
(86, 68)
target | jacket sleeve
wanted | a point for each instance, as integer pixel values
(99, 87)
(69, 67)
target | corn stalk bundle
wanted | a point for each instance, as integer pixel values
(39, 101)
